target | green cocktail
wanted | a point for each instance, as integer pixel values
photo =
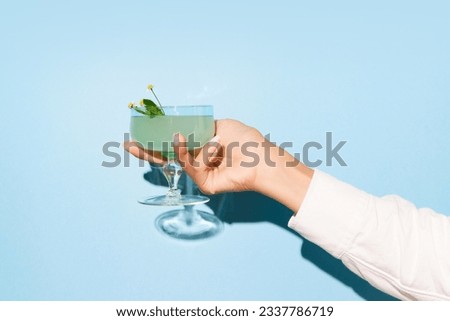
(157, 133)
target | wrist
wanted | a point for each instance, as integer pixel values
(283, 178)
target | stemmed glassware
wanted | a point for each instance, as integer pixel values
(196, 123)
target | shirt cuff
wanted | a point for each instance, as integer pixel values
(331, 214)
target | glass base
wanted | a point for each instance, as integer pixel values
(188, 224)
(181, 200)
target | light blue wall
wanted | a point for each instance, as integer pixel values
(376, 75)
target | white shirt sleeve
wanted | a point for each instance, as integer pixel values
(398, 248)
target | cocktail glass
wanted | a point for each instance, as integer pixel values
(196, 123)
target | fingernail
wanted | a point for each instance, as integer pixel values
(176, 139)
(215, 139)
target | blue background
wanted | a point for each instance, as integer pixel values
(376, 74)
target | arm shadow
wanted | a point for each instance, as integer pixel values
(251, 207)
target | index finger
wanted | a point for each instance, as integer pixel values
(135, 149)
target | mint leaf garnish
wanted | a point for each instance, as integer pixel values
(151, 108)
(148, 102)
(147, 106)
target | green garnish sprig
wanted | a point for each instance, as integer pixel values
(147, 106)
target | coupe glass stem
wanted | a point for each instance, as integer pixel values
(172, 171)
(189, 215)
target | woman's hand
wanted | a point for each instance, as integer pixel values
(215, 168)
(220, 166)
(237, 159)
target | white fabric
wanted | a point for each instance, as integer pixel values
(398, 248)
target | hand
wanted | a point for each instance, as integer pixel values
(221, 172)
(237, 159)
(220, 166)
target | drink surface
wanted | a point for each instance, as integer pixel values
(157, 133)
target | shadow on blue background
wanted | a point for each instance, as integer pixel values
(252, 207)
